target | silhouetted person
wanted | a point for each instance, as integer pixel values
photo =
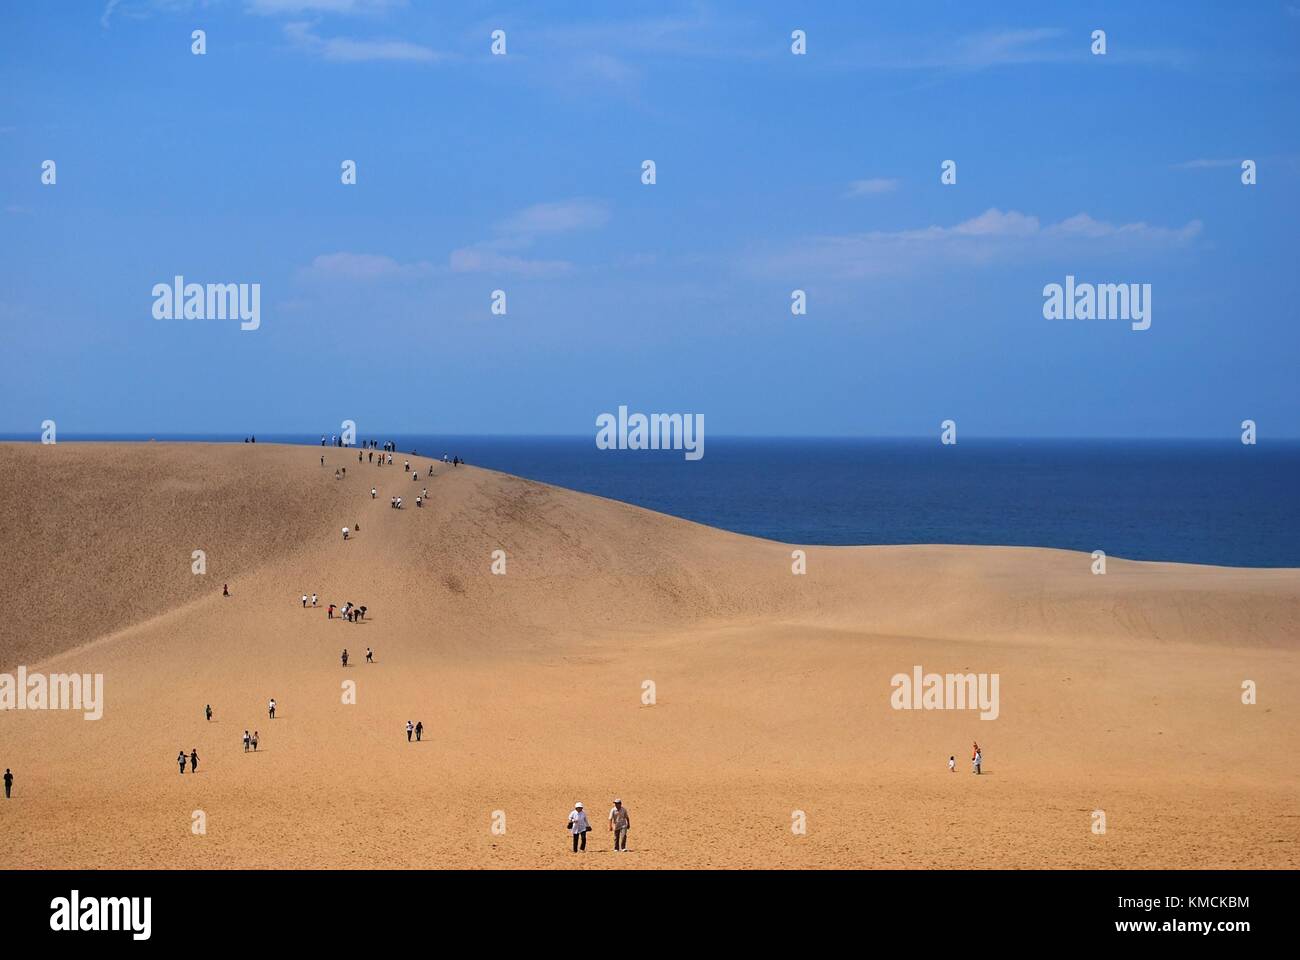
(181, 760)
(194, 760)
(225, 589)
(345, 656)
(419, 730)
(208, 712)
(9, 782)
(247, 741)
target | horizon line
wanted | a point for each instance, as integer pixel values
(232, 437)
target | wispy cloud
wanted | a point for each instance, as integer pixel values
(363, 267)
(108, 12)
(993, 236)
(557, 217)
(521, 230)
(990, 49)
(483, 258)
(273, 8)
(871, 187)
(1206, 164)
(349, 50)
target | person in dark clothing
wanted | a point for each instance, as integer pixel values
(345, 656)
(225, 589)
(208, 712)
(9, 782)
(194, 760)
(181, 760)
(419, 730)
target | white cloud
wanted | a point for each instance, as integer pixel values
(557, 217)
(363, 267)
(1205, 164)
(108, 12)
(483, 258)
(274, 8)
(992, 236)
(521, 230)
(348, 50)
(875, 185)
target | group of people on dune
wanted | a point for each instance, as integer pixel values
(578, 825)
(976, 760)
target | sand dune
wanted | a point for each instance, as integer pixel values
(1119, 693)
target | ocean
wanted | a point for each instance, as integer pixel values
(1212, 502)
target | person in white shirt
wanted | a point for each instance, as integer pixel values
(304, 600)
(578, 825)
(373, 493)
(313, 599)
(952, 764)
(345, 533)
(619, 821)
(270, 708)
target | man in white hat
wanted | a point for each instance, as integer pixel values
(619, 821)
(578, 826)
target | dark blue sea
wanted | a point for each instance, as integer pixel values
(1217, 502)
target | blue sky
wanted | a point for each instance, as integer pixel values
(775, 172)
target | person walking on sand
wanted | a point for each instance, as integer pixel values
(304, 601)
(619, 822)
(374, 492)
(313, 599)
(9, 782)
(361, 611)
(194, 760)
(271, 708)
(329, 612)
(247, 740)
(977, 761)
(579, 826)
(952, 764)
(207, 711)
(345, 533)
(225, 589)
(410, 729)
(419, 731)
(345, 656)
(370, 655)
(180, 759)
(255, 736)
